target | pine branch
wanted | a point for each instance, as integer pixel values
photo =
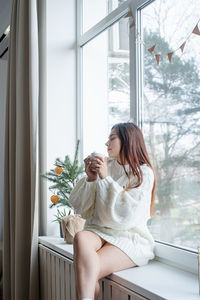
(64, 182)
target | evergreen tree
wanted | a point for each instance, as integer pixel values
(64, 177)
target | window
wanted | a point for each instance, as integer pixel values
(95, 10)
(171, 118)
(106, 87)
(117, 67)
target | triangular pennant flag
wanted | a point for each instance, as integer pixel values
(129, 14)
(132, 24)
(196, 30)
(182, 46)
(152, 48)
(157, 58)
(170, 56)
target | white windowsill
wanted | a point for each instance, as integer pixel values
(156, 280)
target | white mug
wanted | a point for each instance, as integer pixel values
(93, 154)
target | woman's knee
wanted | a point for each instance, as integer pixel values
(87, 240)
(78, 239)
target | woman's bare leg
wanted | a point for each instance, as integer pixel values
(97, 291)
(111, 259)
(86, 262)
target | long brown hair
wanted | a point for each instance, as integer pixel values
(133, 151)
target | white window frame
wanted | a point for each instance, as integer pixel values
(180, 257)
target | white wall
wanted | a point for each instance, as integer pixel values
(61, 88)
(3, 77)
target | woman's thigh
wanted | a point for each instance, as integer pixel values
(112, 259)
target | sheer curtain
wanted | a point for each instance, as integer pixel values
(20, 269)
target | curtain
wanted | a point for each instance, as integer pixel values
(20, 233)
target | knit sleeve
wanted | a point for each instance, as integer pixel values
(122, 209)
(82, 197)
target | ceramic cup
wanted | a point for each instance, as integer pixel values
(93, 154)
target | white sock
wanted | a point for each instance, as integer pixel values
(86, 299)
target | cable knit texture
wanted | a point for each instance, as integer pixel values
(118, 216)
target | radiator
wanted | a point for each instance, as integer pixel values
(57, 280)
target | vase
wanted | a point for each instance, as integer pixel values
(71, 225)
(61, 233)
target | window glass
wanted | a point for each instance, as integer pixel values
(106, 98)
(171, 117)
(95, 10)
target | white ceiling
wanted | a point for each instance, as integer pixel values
(5, 10)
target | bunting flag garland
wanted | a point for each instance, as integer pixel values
(170, 56)
(196, 30)
(132, 24)
(151, 50)
(182, 46)
(129, 14)
(157, 58)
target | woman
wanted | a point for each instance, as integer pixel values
(116, 199)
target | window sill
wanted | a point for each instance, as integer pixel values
(156, 280)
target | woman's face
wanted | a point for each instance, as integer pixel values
(114, 145)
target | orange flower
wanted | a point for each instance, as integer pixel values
(54, 199)
(58, 170)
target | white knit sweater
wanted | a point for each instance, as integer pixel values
(118, 216)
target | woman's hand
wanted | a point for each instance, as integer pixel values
(91, 173)
(99, 164)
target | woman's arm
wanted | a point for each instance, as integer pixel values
(82, 196)
(120, 208)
